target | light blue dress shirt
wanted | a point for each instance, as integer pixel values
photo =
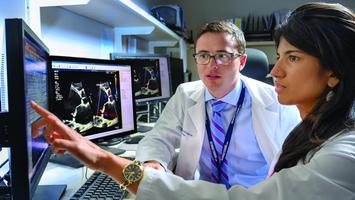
(247, 165)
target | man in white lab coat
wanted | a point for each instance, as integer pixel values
(261, 123)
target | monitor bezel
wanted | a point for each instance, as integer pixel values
(90, 60)
(22, 186)
(115, 56)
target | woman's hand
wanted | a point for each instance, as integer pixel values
(63, 138)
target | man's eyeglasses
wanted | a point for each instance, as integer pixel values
(221, 58)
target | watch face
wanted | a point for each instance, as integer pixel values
(133, 172)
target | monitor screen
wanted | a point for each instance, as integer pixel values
(151, 81)
(176, 69)
(27, 67)
(93, 96)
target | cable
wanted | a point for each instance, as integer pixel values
(5, 189)
(2, 164)
(6, 177)
(86, 173)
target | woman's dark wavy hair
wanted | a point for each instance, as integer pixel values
(326, 31)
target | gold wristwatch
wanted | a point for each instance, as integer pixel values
(132, 172)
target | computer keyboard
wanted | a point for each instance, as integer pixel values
(99, 186)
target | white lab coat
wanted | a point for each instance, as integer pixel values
(182, 125)
(329, 175)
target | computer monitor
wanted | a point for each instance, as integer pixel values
(176, 69)
(151, 79)
(27, 69)
(93, 96)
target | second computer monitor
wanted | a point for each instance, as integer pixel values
(151, 81)
(93, 96)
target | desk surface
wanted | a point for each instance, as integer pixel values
(59, 174)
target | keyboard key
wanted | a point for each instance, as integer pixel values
(99, 186)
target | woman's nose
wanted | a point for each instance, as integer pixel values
(276, 71)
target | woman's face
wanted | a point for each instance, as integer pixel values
(299, 77)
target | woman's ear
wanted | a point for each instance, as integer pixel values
(332, 80)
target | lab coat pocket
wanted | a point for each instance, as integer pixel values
(188, 127)
(185, 133)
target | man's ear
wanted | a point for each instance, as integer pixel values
(332, 80)
(243, 61)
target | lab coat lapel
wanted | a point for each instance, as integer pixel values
(265, 131)
(262, 114)
(191, 144)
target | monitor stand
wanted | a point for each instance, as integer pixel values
(107, 145)
(53, 192)
(111, 142)
(68, 160)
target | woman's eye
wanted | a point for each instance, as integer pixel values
(294, 58)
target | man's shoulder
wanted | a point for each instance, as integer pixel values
(258, 84)
(260, 91)
(191, 87)
(265, 94)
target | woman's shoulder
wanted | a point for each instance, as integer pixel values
(347, 136)
(343, 143)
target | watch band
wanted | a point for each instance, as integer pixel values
(124, 185)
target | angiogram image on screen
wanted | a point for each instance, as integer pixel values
(91, 101)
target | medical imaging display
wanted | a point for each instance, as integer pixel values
(146, 78)
(88, 101)
(35, 68)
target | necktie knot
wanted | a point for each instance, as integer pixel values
(217, 105)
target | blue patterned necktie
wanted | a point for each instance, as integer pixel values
(218, 175)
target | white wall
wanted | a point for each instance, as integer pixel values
(15, 9)
(69, 34)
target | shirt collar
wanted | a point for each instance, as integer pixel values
(231, 98)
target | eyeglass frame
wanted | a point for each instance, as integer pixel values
(233, 55)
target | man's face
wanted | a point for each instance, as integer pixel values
(219, 79)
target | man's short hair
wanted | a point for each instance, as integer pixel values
(225, 27)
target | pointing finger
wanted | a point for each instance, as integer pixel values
(37, 127)
(40, 110)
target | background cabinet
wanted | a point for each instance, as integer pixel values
(96, 28)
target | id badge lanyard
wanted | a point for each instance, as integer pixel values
(228, 135)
